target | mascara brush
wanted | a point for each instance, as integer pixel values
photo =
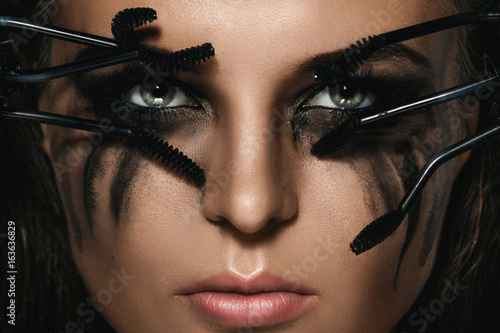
(381, 228)
(149, 143)
(122, 28)
(354, 56)
(124, 49)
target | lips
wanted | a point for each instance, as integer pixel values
(260, 301)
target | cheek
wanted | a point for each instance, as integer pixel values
(132, 218)
(372, 180)
(136, 219)
(358, 291)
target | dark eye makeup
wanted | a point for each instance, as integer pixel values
(366, 91)
(134, 95)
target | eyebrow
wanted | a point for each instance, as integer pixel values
(398, 50)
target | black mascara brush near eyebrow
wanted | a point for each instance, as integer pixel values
(124, 49)
(123, 26)
(120, 51)
(354, 56)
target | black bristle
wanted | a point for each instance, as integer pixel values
(377, 231)
(350, 60)
(123, 26)
(177, 61)
(124, 23)
(337, 138)
(169, 156)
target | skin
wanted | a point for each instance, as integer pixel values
(268, 205)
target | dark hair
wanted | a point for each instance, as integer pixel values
(466, 271)
(49, 289)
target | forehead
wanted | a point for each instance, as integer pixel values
(255, 38)
(336, 22)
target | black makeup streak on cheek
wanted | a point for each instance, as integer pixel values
(431, 233)
(407, 173)
(70, 210)
(94, 168)
(122, 183)
(374, 185)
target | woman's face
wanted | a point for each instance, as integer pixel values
(263, 244)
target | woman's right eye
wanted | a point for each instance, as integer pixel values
(159, 96)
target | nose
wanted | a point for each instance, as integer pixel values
(249, 183)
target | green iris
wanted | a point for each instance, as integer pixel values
(347, 97)
(159, 96)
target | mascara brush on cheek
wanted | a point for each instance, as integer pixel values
(380, 229)
(149, 143)
(337, 138)
(123, 26)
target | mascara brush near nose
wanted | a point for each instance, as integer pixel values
(155, 147)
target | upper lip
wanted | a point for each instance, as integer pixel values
(230, 282)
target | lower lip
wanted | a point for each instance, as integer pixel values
(253, 310)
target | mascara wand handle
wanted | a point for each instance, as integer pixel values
(442, 157)
(439, 24)
(435, 99)
(71, 68)
(57, 32)
(66, 121)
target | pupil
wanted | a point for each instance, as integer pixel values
(347, 92)
(158, 91)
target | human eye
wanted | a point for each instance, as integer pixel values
(365, 91)
(158, 95)
(343, 96)
(133, 96)
(324, 107)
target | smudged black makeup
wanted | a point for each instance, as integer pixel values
(123, 181)
(94, 169)
(107, 95)
(372, 146)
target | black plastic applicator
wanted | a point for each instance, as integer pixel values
(123, 26)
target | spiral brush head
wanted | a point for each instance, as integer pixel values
(169, 156)
(123, 26)
(177, 61)
(124, 23)
(337, 138)
(377, 231)
(349, 61)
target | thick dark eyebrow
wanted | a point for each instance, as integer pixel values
(398, 50)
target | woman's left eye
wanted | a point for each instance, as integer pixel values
(343, 96)
(159, 96)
